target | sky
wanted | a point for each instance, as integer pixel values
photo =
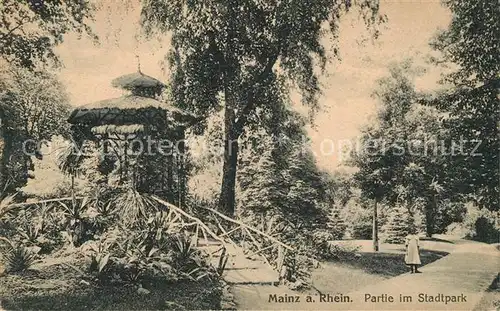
(346, 103)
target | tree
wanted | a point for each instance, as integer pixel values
(224, 54)
(278, 174)
(29, 29)
(336, 223)
(376, 164)
(33, 106)
(262, 185)
(401, 161)
(472, 42)
(399, 225)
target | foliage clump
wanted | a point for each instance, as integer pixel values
(478, 224)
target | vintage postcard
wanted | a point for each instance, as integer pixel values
(249, 155)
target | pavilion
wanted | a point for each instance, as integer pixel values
(140, 138)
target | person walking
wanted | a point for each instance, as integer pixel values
(412, 257)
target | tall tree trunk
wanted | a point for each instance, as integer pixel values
(227, 193)
(3, 168)
(375, 227)
(6, 142)
(430, 209)
(181, 171)
(170, 177)
(73, 194)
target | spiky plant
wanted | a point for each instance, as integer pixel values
(68, 161)
(73, 213)
(185, 252)
(16, 257)
(134, 207)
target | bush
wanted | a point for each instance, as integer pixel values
(360, 221)
(447, 213)
(327, 249)
(478, 224)
(458, 229)
(485, 230)
(321, 243)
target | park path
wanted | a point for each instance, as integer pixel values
(466, 272)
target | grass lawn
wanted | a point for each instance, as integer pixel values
(59, 287)
(369, 267)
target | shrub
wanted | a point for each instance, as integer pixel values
(321, 243)
(447, 213)
(336, 224)
(458, 229)
(485, 230)
(360, 221)
(326, 249)
(478, 224)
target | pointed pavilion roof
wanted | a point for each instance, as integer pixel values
(123, 110)
(136, 80)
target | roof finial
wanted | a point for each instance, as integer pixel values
(138, 63)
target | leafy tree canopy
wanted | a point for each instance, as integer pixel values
(30, 28)
(35, 101)
(472, 42)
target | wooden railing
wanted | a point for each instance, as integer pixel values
(24, 204)
(4, 209)
(229, 231)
